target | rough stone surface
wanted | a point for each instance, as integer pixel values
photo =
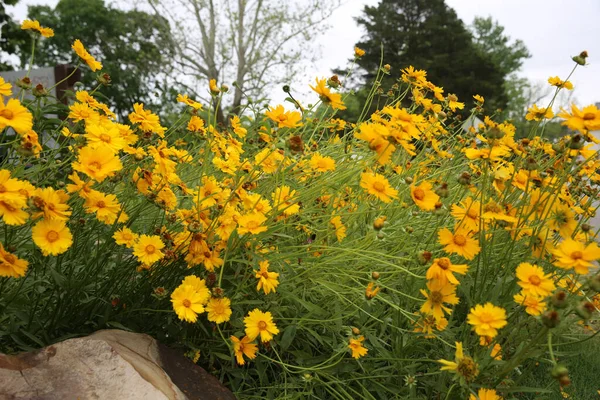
(109, 364)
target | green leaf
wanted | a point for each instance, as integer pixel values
(119, 325)
(288, 337)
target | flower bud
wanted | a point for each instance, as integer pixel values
(464, 178)
(558, 147)
(423, 257)
(594, 283)
(39, 91)
(387, 67)
(559, 299)
(286, 88)
(104, 79)
(585, 310)
(577, 142)
(531, 164)
(551, 319)
(442, 191)
(379, 223)
(375, 275)
(380, 235)
(295, 144)
(408, 180)
(558, 371)
(355, 331)
(334, 82)
(580, 59)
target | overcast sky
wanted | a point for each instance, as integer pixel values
(553, 31)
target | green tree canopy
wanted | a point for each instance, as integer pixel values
(428, 34)
(132, 46)
(12, 38)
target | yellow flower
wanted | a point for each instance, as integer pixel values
(51, 204)
(251, 223)
(442, 269)
(219, 310)
(358, 52)
(105, 206)
(464, 366)
(85, 56)
(243, 348)
(573, 254)
(375, 135)
(11, 265)
(196, 124)
(439, 293)
(97, 163)
(423, 196)
(584, 120)
(186, 100)
(283, 200)
(453, 102)
(269, 160)
(371, 290)
(485, 394)
(379, 186)
(333, 99)
(358, 350)
(35, 25)
(559, 83)
(5, 88)
(104, 135)
(237, 127)
(340, 228)
(260, 323)
(14, 115)
(479, 98)
(414, 77)
(487, 319)
(467, 214)
(459, 242)
(148, 249)
(284, 119)
(187, 303)
(52, 236)
(146, 120)
(533, 304)
(125, 236)
(533, 280)
(199, 286)
(267, 281)
(534, 113)
(212, 85)
(322, 164)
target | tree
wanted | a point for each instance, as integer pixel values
(256, 44)
(133, 47)
(428, 35)
(12, 38)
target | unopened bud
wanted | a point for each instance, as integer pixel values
(379, 223)
(104, 79)
(594, 283)
(24, 83)
(577, 142)
(375, 275)
(585, 310)
(39, 91)
(464, 178)
(423, 257)
(551, 319)
(559, 299)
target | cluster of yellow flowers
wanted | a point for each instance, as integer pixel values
(221, 207)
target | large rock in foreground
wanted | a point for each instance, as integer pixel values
(109, 364)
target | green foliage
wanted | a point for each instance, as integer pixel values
(132, 45)
(12, 38)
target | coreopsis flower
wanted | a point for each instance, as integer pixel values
(534, 305)
(479, 98)
(242, 348)
(423, 196)
(559, 83)
(14, 115)
(533, 280)
(378, 186)
(442, 269)
(358, 52)
(125, 236)
(459, 242)
(186, 100)
(562, 219)
(199, 286)
(464, 366)
(495, 212)
(187, 303)
(534, 113)
(196, 124)
(50, 204)
(13, 199)
(147, 249)
(571, 254)
(340, 228)
(219, 310)
(326, 96)
(487, 319)
(260, 323)
(146, 120)
(440, 293)
(428, 323)
(493, 153)
(485, 394)
(5, 88)
(11, 265)
(467, 214)
(35, 26)
(283, 199)
(85, 56)
(104, 135)
(97, 163)
(237, 127)
(321, 164)
(267, 280)
(52, 236)
(453, 102)
(30, 144)
(371, 290)
(105, 206)
(269, 160)
(284, 119)
(584, 121)
(255, 202)
(212, 86)
(414, 77)
(251, 223)
(357, 348)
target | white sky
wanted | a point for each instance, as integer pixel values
(552, 30)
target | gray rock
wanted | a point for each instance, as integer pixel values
(109, 364)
